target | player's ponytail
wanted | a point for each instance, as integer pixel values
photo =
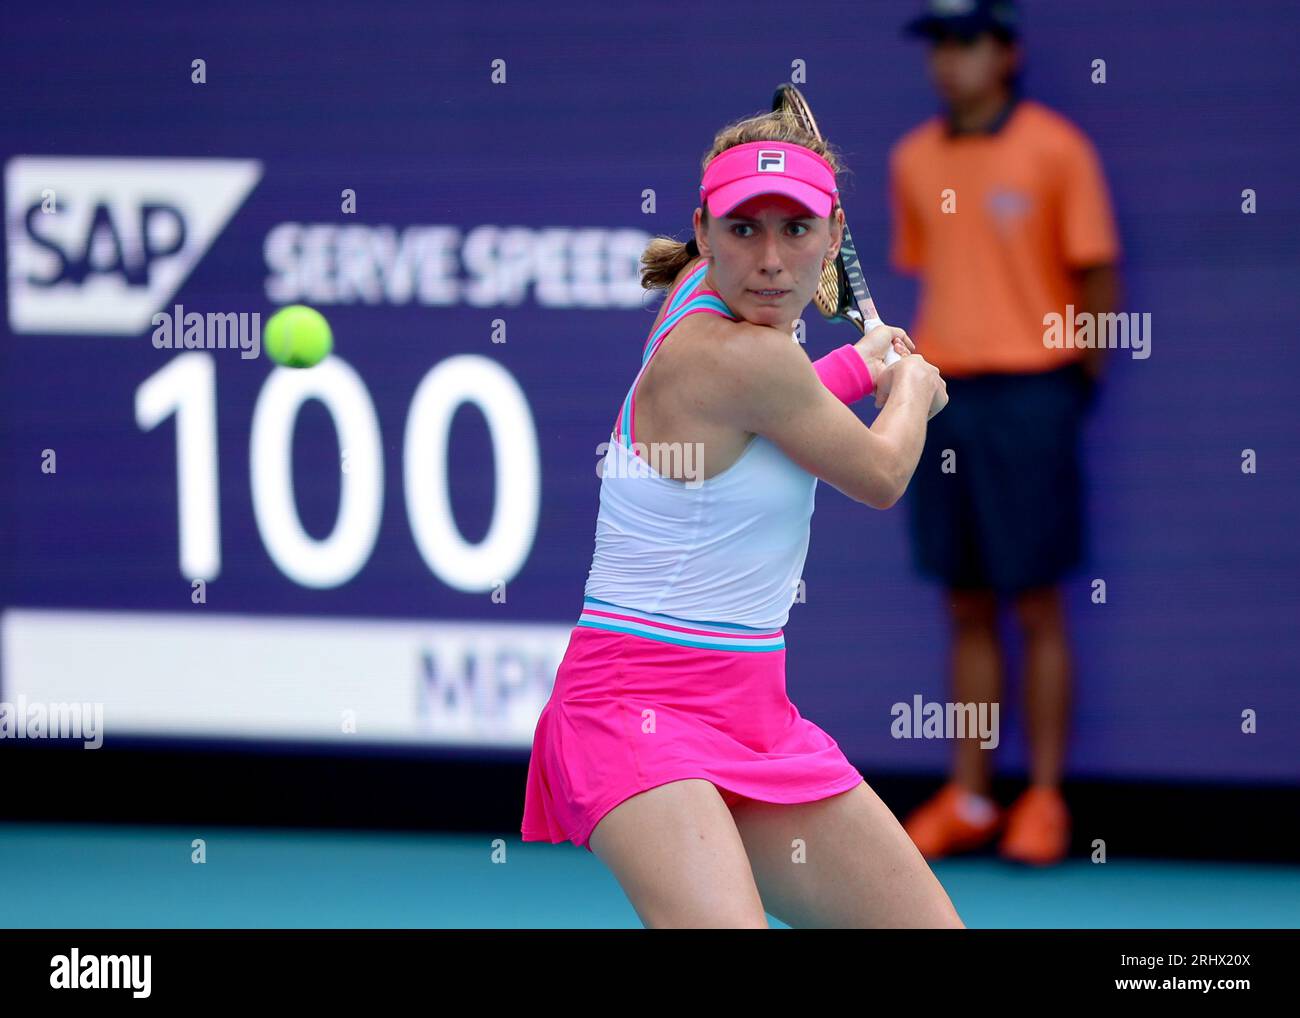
(665, 257)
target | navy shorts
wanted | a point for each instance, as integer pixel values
(1009, 515)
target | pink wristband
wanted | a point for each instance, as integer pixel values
(845, 373)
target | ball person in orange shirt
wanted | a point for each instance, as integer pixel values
(1000, 207)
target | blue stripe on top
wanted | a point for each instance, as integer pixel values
(680, 298)
(681, 305)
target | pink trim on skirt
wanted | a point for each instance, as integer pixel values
(629, 713)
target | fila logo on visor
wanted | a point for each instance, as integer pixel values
(771, 160)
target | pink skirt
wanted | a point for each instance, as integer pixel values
(641, 699)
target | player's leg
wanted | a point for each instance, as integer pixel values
(676, 853)
(844, 861)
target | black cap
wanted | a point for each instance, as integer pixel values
(967, 19)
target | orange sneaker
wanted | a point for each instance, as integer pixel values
(1038, 828)
(953, 821)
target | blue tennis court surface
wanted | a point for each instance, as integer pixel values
(84, 876)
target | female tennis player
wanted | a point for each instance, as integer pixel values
(668, 747)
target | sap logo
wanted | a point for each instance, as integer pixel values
(120, 238)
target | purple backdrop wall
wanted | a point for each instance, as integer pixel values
(1201, 560)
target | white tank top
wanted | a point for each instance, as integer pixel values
(727, 549)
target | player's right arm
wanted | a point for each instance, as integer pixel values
(765, 384)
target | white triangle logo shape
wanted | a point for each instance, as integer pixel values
(97, 246)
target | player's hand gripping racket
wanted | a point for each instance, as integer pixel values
(842, 293)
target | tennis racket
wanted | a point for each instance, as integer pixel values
(842, 293)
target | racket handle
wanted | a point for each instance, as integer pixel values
(891, 355)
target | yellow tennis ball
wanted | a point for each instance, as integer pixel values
(298, 337)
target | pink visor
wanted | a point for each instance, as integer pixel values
(768, 167)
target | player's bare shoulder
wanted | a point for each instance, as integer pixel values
(737, 360)
(707, 357)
